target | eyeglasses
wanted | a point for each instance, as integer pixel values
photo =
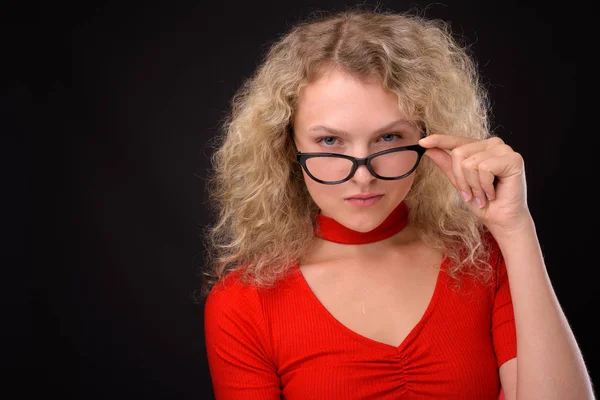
(390, 164)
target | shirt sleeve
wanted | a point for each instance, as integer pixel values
(503, 319)
(238, 345)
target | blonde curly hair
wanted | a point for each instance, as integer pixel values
(264, 212)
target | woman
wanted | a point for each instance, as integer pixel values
(369, 226)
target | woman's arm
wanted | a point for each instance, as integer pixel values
(238, 346)
(490, 175)
(549, 364)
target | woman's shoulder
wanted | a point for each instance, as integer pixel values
(231, 302)
(485, 264)
(237, 287)
(234, 317)
(230, 286)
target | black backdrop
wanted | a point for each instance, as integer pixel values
(110, 109)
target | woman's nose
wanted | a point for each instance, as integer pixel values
(363, 174)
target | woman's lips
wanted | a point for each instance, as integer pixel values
(365, 202)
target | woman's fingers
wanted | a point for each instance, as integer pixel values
(478, 173)
(463, 164)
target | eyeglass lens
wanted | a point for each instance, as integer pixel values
(390, 165)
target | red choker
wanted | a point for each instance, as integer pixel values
(329, 229)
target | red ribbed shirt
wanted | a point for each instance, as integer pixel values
(281, 342)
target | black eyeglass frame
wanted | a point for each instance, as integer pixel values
(357, 162)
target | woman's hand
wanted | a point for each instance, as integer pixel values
(490, 176)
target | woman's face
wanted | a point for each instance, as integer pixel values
(339, 113)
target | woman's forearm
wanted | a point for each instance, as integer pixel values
(549, 362)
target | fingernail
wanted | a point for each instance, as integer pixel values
(479, 202)
(465, 196)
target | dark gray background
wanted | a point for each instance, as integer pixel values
(109, 111)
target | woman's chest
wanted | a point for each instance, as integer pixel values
(448, 354)
(445, 350)
(381, 300)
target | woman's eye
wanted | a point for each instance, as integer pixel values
(388, 137)
(329, 140)
(332, 140)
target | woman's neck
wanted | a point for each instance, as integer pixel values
(321, 250)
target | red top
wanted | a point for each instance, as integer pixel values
(281, 342)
